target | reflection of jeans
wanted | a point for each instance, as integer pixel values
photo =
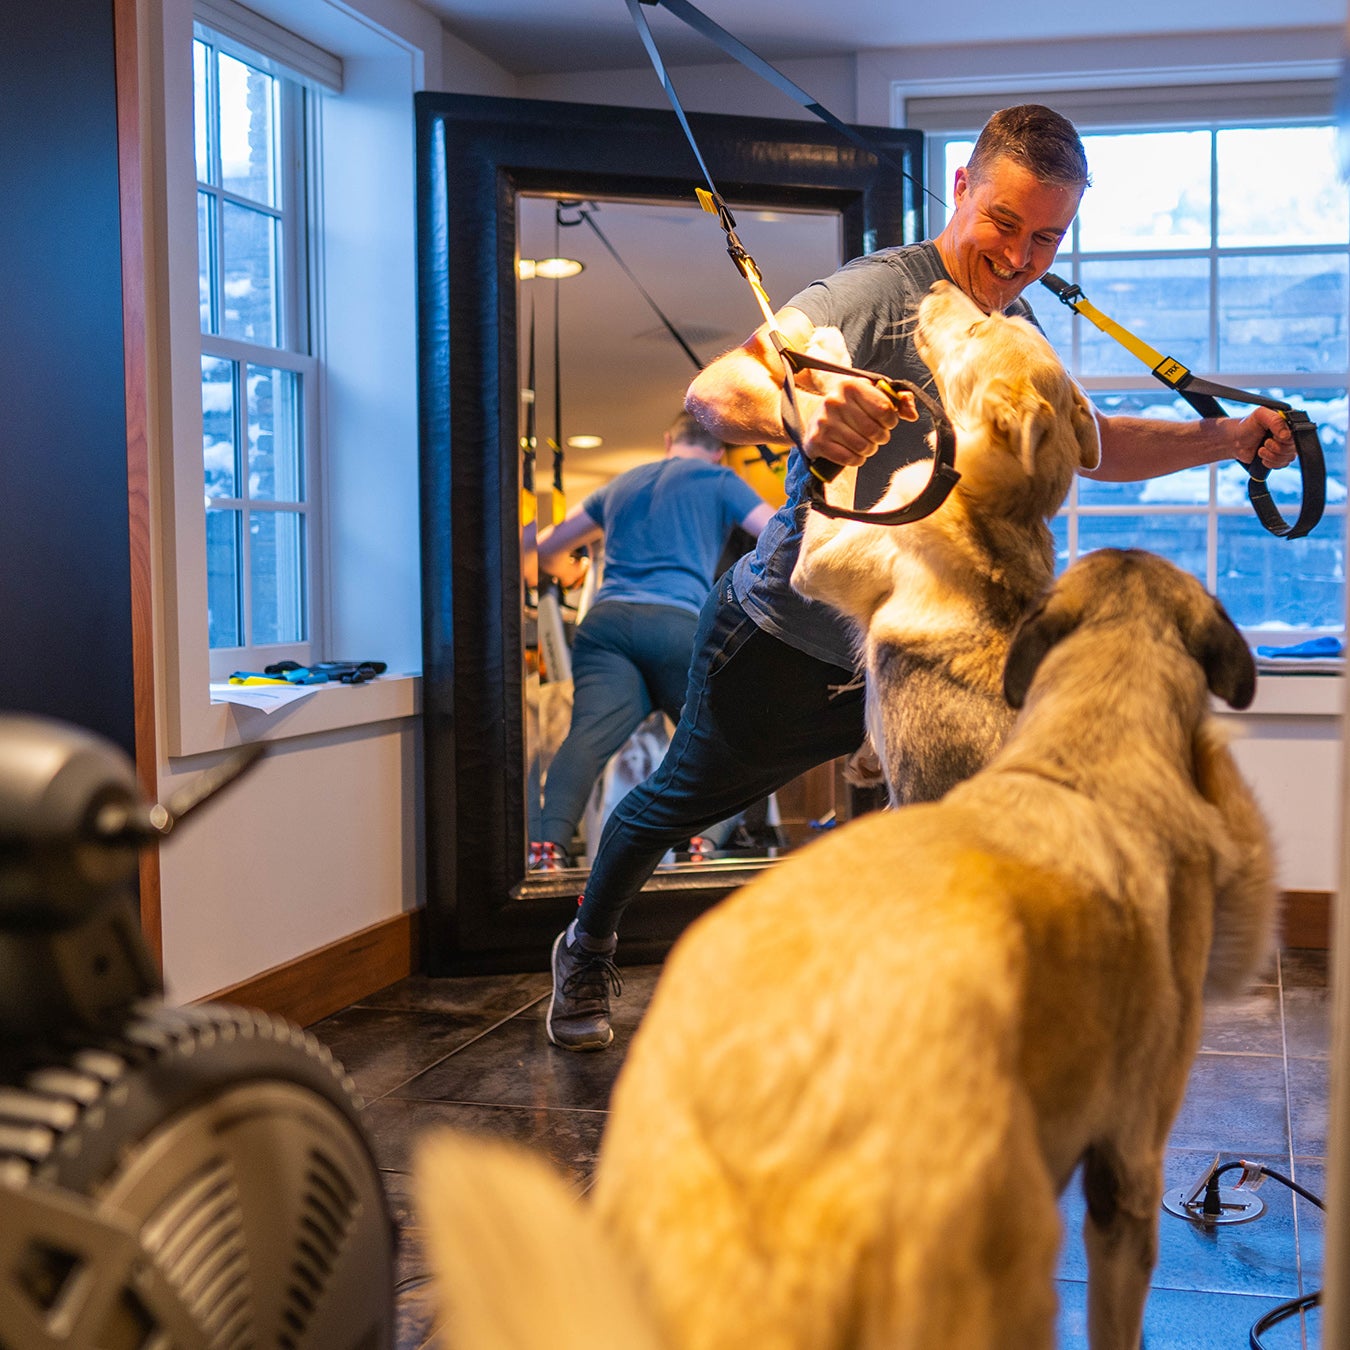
(757, 714)
(628, 660)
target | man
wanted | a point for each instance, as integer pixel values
(772, 687)
(663, 526)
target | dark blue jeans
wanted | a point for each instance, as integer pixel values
(757, 713)
(628, 660)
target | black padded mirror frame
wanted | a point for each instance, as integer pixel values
(474, 156)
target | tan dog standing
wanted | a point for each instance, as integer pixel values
(865, 1078)
(935, 602)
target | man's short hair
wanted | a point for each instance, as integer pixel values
(1039, 139)
(686, 429)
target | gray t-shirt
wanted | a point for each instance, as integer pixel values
(872, 301)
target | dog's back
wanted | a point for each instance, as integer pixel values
(864, 1077)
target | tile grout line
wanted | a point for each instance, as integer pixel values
(473, 1040)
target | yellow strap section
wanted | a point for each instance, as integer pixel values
(529, 507)
(745, 264)
(1150, 356)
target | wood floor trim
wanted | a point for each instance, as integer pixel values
(1307, 919)
(324, 981)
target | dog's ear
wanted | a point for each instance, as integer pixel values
(1022, 417)
(1053, 619)
(1223, 654)
(1038, 420)
(1086, 430)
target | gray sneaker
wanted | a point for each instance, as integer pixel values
(578, 1012)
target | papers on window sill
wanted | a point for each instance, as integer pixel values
(267, 698)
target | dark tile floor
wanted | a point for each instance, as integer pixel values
(472, 1052)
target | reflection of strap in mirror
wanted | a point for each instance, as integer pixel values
(529, 503)
(1203, 395)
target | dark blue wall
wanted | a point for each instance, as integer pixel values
(65, 593)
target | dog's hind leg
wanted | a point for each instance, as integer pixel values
(1121, 1236)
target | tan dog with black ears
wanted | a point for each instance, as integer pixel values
(934, 603)
(867, 1075)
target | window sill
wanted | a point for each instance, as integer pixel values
(1296, 693)
(331, 707)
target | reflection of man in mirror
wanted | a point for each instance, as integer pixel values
(663, 525)
(773, 690)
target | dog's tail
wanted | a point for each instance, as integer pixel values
(518, 1261)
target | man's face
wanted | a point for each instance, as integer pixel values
(1004, 232)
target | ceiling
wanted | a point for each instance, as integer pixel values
(539, 37)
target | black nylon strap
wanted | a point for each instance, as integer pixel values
(735, 48)
(944, 475)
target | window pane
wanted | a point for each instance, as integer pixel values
(274, 458)
(222, 578)
(277, 562)
(1056, 321)
(201, 57)
(1283, 313)
(219, 450)
(1180, 537)
(1149, 191)
(248, 267)
(247, 131)
(1187, 487)
(1165, 302)
(206, 252)
(1297, 585)
(955, 155)
(1279, 186)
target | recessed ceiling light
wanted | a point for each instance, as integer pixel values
(585, 442)
(554, 268)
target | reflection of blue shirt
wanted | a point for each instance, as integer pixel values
(665, 524)
(872, 301)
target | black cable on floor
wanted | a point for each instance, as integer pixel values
(1290, 1307)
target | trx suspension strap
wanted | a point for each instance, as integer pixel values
(944, 475)
(1203, 396)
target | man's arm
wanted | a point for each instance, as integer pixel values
(757, 519)
(738, 396)
(1135, 448)
(556, 546)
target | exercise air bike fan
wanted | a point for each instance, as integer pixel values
(171, 1178)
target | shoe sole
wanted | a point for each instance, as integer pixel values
(548, 1017)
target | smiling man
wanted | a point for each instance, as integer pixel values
(773, 689)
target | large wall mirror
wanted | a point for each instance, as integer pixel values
(504, 354)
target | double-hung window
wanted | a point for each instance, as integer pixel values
(258, 376)
(1224, 244)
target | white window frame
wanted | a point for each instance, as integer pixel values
(364, 316)
(1204, 107)
(295, 212)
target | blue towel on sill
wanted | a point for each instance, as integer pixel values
(1318, 646)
